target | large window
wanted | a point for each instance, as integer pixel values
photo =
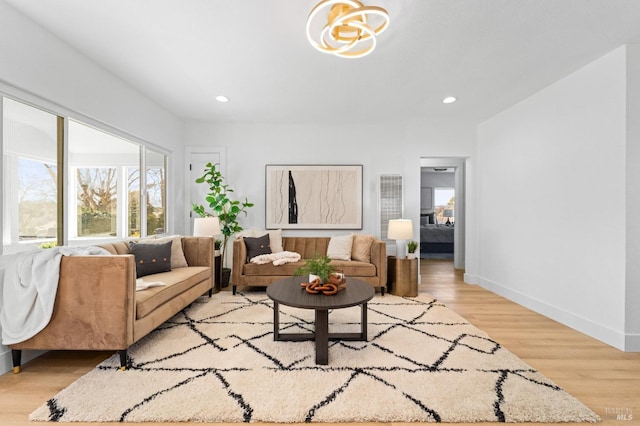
(30, 173)
(444, 202)
(106, 200)
(156, 192)
(105, 194)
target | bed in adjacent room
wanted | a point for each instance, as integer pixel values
(435, 238)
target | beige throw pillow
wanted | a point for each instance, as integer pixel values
(275, 240)
(340, 247)
(177, 254)
(361, 249)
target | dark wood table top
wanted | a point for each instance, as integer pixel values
(289, 292)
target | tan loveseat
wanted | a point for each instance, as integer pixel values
(97, 306)
(244, 273)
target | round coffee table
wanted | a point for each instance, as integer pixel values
(289, 292)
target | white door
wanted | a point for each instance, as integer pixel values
(197, 163)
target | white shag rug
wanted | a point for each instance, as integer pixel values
(217, 362)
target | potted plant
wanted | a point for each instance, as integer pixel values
(319, 266)
(224, 207)
(412, 246)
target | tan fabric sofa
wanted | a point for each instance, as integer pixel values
(244, 273)
(97, 306)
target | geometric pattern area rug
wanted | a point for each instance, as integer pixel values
(216, 361)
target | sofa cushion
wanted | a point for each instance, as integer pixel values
(257, 246)
(118, 247)
(275, 237)
(349, 268)
(176, 282)
(340, 247)
(361, 248)
(151, 258)
(177, 254)
(353, 268)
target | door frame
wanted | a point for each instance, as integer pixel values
(189, 151)
(457, 163)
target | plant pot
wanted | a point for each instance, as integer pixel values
(313, 277)
(225, 275)
(411, 255)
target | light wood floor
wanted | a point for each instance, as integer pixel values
(603, 378)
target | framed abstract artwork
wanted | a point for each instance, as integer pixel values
(313, 197)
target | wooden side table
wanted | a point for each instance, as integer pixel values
(402, 276)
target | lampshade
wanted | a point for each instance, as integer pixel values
(447, 213)
(206, 226)
(400, 229)
(350, 28)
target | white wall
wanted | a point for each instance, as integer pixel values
(544, 242)
(437, 179)
(36, 66)
(37, 63)
(632, 295)
(381, 149)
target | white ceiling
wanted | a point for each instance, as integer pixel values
(488, 53)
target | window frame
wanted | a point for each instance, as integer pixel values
(67, 192)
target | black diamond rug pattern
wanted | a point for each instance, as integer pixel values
(217, 361)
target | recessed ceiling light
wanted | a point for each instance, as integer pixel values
(222, 98)
(449, 100)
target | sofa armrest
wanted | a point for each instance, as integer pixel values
(379, 259)
(239, 259)
(198, 251)
(94, 307)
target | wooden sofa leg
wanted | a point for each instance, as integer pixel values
(234, 289)
(16, 354)
(123, 359)
(382, 291)
(210, 292)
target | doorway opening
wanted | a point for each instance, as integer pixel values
(442, 218)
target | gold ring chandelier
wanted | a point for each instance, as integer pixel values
(350, 30)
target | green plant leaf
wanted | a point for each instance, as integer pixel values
(226, 209)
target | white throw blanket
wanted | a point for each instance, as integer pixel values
(143, 285)
(28, 286)
(279, 258)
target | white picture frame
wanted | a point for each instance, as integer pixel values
(313, 196)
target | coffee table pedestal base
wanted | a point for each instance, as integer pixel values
(321, 335)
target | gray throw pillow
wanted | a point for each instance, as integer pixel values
(151, 258)
(257, 246)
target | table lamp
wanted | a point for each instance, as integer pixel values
(400, 230)
(448, 214)
(206, 226)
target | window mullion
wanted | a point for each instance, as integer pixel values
(143, 192)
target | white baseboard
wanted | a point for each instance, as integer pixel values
(632, 343)
(6, 363)
(471, 279)
(619, 340)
